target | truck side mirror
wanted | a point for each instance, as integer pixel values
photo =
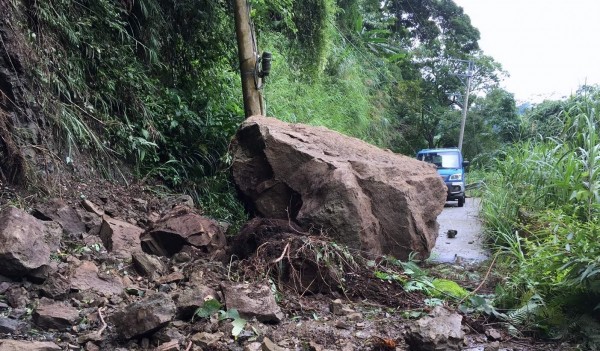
(466, 165)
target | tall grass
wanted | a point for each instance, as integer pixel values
(541, 209)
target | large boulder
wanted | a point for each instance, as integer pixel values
(367, 198)
(25, 242)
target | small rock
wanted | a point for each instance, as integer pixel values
(451, 233)
(90, 346)
(268, 345)
(171, 278)
(493, 334)
(86, 277)
(26, 242)
(91, 207)
(336, 306)
(253, 300)
(204, 339)
(180, 227)
(145, 343)
(55, 315)
(189, 300)
(17, 297)
(493, 346)
(11, 326)
(119, 237)
(144, 316)
(439, 331)
(253, 346)
(355, 316)
(342, 325)
(148, 265)
(18, 345)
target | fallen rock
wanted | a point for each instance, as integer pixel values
(493, 334)
(85, 277)
(180, 227)
(18, 345)
(252, 300)
(268, 345)
(145, 316)
(25, 242)
(92, 207)
(56, 287)
(171, 278)
(189, 300)
(54, 315)
(205, 340)
(11, 326)
(59, 211)
(148, 265)
(360, 195)
(119, 237)
(441, 330)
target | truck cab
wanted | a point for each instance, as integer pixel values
(451, 167)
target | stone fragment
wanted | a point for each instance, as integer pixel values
(189, 300)
(180, 227)
(18, 345)
(92, 207)
(493, 334)
(17, 296)
(268, 345)
(148, 265)
(171, 278)
(120, 237)
(55, 315)
(144, 317)
(252, 300)
(441, 330)
(59, 211)
(205, 340)
(25, 242)
(85, 277)
(11, 326)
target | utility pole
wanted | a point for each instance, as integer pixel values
(469, 76)
(248, 56)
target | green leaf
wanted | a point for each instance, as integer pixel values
(208, 308)
(238, 326)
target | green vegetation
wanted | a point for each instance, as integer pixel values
(154, 83)
(541, 208)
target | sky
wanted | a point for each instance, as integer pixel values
(548, 47)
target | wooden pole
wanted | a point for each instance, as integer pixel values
(247, 56)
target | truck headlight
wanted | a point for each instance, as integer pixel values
(456, 176)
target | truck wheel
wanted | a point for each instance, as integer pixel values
(461, 201)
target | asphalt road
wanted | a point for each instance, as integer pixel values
(467, 246)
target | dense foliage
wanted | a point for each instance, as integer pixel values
(542, 211)
(155, 82)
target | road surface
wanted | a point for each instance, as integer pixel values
(467, 246)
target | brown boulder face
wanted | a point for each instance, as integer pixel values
(181, 227)
(25, 242)
(360, 195)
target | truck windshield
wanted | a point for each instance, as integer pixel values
(441, 159)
